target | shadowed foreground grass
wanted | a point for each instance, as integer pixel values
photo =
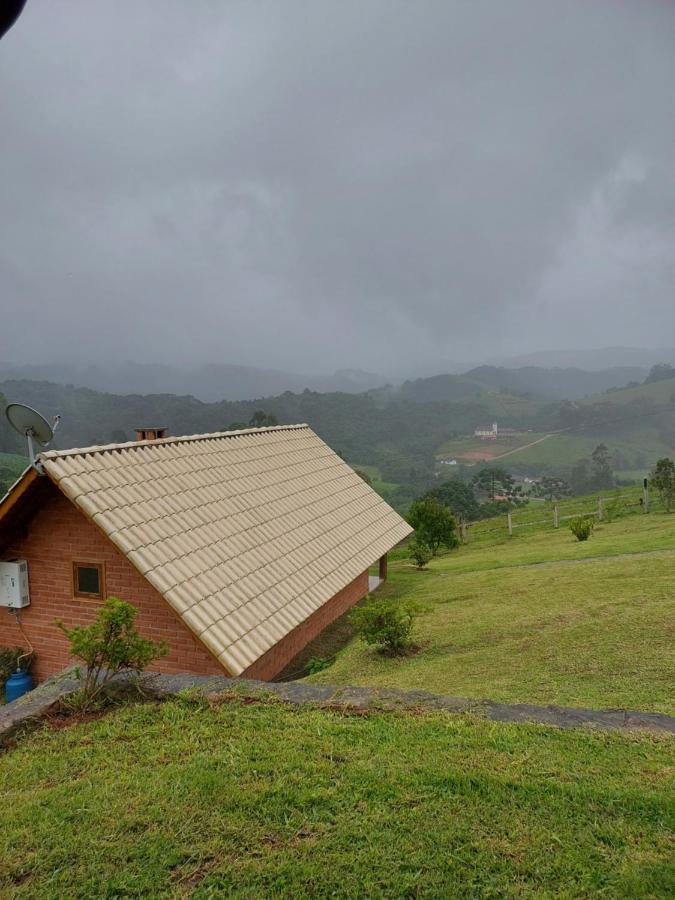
(533, 618)
(263, 800)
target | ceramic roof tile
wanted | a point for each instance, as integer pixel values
(244, 533)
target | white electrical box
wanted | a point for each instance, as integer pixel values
(14, 584)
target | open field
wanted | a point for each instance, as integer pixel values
(261, 800)
(555, 452)
(536, 617)
(473, 449)
(561, 450)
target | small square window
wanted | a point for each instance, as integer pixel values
(88, 580)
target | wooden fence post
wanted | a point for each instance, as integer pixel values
(462, 531)
(600, 510)
(509, 522)
(645, 495)
(555, 516)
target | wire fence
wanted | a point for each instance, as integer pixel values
(554, 513)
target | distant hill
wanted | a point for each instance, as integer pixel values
(556, 384)
(591, 360)
(440, 388)
(210, 382)
(400, 432)
(531, 382)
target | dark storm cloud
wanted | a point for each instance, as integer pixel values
(385, 185)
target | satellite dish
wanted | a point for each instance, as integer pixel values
(29, 423)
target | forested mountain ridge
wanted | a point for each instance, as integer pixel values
(384, 428)
(380, 428)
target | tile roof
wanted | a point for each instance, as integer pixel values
(244, 533)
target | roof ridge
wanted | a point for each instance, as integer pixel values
(178, 439)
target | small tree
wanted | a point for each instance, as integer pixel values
(108, 646)
(420, 553)
(387, 624)
(602, 476)
(551, 488)
(582, 527)
(493, 480)
(459, 497)
(663, 479)
(434, 524)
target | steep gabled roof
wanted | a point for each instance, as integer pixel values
(244, 533)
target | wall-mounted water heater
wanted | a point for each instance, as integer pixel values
(14, 584)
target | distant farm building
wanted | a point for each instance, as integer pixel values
(493, 432)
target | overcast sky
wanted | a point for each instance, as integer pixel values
(393, 186)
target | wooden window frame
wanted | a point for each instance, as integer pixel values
(87, 564)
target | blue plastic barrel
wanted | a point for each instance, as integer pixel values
(18, 684)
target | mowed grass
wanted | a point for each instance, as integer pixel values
(263, 800)
(536, 618)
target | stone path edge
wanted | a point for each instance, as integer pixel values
(29, 709)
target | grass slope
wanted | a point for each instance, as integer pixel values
(13, 463)
(11, 466)
(537, 618)
(265, 801)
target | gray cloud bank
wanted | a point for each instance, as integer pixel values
(392, 186)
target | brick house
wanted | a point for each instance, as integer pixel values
(236, 548)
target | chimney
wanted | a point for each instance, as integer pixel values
(151, 434)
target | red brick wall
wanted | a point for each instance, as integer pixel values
(277, 658)
(59, 534)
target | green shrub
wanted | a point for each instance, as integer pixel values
(109, 645)
(386, 623)
(13, 659)
(582, 527)
(420, 552)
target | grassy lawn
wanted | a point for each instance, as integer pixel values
(262, 800)
(535, 618)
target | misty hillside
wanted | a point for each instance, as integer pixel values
(533, 382)
(215, 381)
(209, 382)
(402, 434)
(592, 360)
(557, 384)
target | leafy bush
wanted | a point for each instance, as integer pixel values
(14, 659)
(387, 624)
(434, 524)
(420, 553)
(109, 645)
(318, 664)
(582, 527)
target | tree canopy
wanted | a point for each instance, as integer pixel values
(434, 524)
(459, 497)
(492, 481)
(663, 479)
